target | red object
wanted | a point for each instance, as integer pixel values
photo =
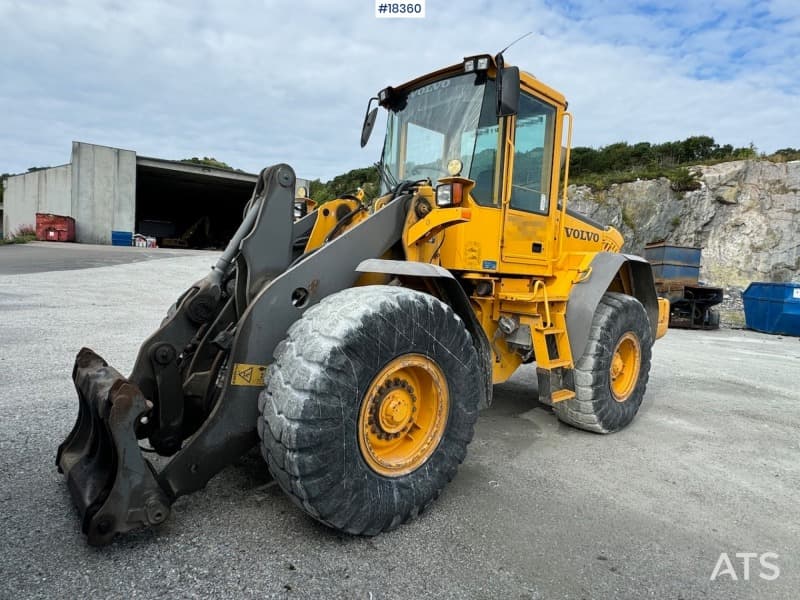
(54, 228)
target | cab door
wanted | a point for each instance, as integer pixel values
(528, 233)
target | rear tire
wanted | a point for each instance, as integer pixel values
(362, 360)
(611, 376)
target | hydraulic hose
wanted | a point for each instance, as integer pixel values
(224, 263)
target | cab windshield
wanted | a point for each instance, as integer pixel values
(449, 119)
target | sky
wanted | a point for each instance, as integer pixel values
(255, 83)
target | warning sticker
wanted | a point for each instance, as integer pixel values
(796, 293)
(244, 374)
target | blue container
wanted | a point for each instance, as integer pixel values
(122, 238)
(773, 307)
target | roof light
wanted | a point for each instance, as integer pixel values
(454, 167)
(483, 63)
(469, 66)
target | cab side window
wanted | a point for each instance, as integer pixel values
(481, 170)
(533, 155)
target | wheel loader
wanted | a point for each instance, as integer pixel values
(357, 343)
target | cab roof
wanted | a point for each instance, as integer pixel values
(527, 80)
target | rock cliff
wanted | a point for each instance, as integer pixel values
(745, 217)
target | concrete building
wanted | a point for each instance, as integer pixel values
(113, 193)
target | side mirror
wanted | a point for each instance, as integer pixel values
(369, 123)
(507, 91)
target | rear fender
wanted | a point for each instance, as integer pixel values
(585, 296)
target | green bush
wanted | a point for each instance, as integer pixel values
(603, 167)
(784, 155)
(681, 179)
(23, 235)
(684, 180)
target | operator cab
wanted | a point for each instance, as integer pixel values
(485, 123)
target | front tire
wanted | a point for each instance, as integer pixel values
(611, 376)
(369, 407)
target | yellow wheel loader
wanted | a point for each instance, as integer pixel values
(357, 343)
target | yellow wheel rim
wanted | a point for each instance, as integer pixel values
(403, 415)
(625, 363)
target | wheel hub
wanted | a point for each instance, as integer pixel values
(392, 409)
(625, 365)
(617, 366)
(403, 415)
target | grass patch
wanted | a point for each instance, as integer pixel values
(732, 318)
(681, 179)
(628, 219)
(23, 235)
(784, 155)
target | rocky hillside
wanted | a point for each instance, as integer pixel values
(745, 216)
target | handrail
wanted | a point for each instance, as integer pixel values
(540, 284)
(565, 183)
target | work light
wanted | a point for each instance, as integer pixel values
(448, 194)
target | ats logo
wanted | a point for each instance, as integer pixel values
(765, 565)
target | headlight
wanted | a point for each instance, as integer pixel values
(483, 63)
(469, 66)
(444, 194)
(448, 194)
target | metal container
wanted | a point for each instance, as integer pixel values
(663, 253)
(669, 272)
(122, 238)
(674, 263)
(54, 228)
(772, 307)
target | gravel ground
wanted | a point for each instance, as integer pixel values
(731, 309)
(39, 257)
(538, 510)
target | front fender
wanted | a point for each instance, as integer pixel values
(453, 294)
(585, 296)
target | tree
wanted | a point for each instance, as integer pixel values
(208, 161)
(346, 183)
(697, 148)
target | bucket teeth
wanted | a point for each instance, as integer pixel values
(113, 486)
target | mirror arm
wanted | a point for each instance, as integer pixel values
(499, 62)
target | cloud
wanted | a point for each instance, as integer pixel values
(254, 83)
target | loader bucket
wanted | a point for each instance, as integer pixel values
(113, 486)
